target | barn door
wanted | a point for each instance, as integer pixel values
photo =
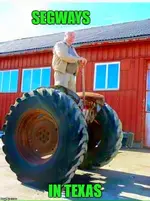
(148, 109)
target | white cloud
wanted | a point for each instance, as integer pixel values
(15, 21)
(15, 18)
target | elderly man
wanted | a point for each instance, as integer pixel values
(66, 61)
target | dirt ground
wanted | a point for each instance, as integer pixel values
(126, 177)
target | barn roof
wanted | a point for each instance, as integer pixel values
(121, 31)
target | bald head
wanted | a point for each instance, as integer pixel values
(70, 37)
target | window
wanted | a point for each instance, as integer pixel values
(34, 78)
(148, 92)
(107, 76)
(148, 80)
(148, 101)
(8, 81)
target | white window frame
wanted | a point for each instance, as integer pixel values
(147, 102)
(2, 71)
(147, 91)
(31, 69)
(106, 78)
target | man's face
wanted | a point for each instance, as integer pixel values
(71, 38)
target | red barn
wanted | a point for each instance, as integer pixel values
(118, 67)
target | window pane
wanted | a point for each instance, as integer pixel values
(113, 73)
(148, 102)
(100, 76)
(46, 77)
(0, 80)
(36, 79)
(148, 129)
(6, 80)
(14, 81)
(148, 80)
(26, 80)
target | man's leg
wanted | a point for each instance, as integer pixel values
(72, 83)
(60, 79)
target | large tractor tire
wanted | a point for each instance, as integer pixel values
(105, 134)
(70, 93)
(105, 138)
(45, 137)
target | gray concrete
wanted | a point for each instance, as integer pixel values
(126, 177)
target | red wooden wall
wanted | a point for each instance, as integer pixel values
(128, 101)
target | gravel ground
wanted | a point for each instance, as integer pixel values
(126, 177)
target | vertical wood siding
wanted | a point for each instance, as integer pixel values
(128, 101)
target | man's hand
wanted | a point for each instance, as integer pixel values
(83, 61)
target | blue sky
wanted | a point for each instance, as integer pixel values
(15, 16)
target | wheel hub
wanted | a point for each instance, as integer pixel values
(37, 136)
(43, 136)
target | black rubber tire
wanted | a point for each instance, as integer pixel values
(110, 133)
(109, 127)
(73, 137)
(70, 93)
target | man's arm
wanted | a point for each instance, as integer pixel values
(76, 52)
(62, 51)
(79, 63)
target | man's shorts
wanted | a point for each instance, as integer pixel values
(67, 80)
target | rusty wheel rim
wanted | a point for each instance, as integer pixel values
(95, 127)
(37, 136)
